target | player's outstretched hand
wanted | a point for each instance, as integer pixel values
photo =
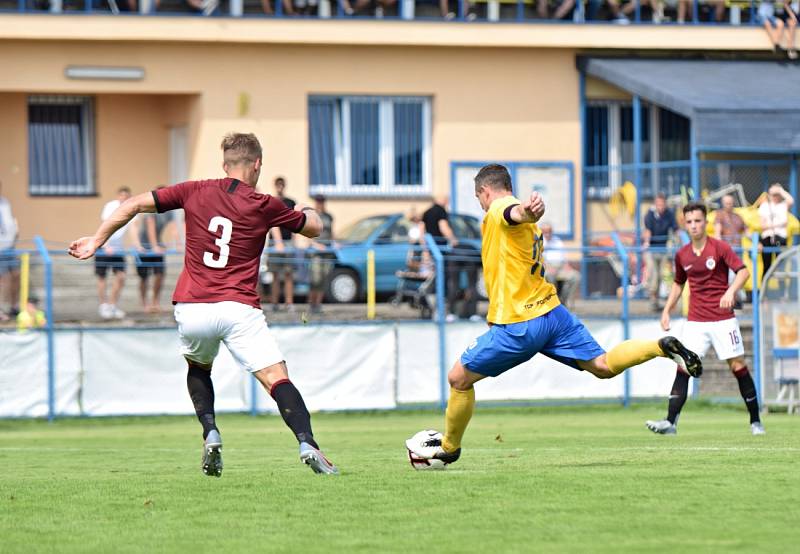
(727, 301)
(534, 207)
(665, 321)
(83, 248)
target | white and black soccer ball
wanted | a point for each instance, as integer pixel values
(421, 448)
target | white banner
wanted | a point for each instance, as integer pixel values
(339, 367)
(23, 374)
(142, 373)
(336, 367)
(418, 363)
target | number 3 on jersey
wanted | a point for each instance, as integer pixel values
(214, 225)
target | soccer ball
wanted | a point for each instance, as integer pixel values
(417, 450)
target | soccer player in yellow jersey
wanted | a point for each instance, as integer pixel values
(525, 316)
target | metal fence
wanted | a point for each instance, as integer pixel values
(778, 316)
(674, 178)
(592, 11)
(66, 290)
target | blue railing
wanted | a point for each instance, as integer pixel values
(622, 277)
(674, 177)
(592, 12)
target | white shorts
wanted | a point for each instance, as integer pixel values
(242, 328)
(724, 335)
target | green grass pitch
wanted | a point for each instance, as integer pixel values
(587, 479)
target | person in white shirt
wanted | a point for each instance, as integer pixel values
(557, 269)
(774, 216)
(9, 264)
(112, 257)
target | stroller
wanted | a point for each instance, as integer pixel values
(415, 283)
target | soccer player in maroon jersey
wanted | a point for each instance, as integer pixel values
(704, 263)
(215, 298)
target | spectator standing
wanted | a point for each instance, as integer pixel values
(321, 257)
(147, 230)
(437, 224)
(112, 258)
(9, 264)
(659, 222)
(558, 271)
(774, 216)
(728, 225)
(282, 261)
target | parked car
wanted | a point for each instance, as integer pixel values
(387, 236)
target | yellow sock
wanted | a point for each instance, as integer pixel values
(630, 353)
(456, 418)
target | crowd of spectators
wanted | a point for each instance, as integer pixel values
(777, 16)
(462, 262)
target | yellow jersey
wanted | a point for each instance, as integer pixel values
(513, 267)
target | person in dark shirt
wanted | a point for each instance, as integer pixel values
(215, 297)
(282, 261)
(458, 260)
(436, 223)
(658, 224)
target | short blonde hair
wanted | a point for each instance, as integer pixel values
(238, 148)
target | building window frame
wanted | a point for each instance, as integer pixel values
(342, 146)
(60, 164)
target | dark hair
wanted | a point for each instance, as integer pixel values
(126, 190)
(494, 176)
(661, 195)
(280, 180)
(695, 207)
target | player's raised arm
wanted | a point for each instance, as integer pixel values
(85, 247)
(530, 210)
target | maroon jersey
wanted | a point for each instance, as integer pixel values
(708, 278)
(226, 227)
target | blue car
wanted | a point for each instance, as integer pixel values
(387, 236)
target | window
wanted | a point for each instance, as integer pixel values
(60, 145)
(369, 145)
(609, 151)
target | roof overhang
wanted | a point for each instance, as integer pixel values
(734, 106)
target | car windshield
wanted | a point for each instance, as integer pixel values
(464, 226)
(361, 230)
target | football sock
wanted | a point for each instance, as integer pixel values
(201, 391)
(456, 418)
(293, 410)
(747, 388)
(630, 353)
(677, 396)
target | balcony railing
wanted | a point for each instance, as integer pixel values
(721, 12)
